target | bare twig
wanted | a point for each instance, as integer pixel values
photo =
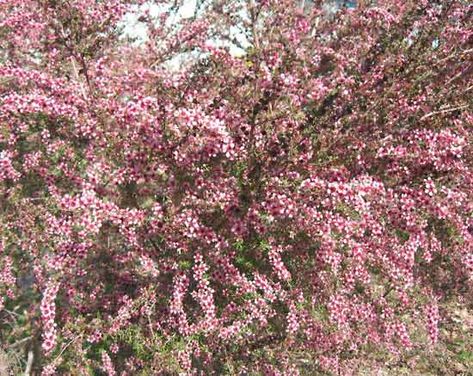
(4, 366)
(254, 19)
(454, 54)
(74, 66)
(66, 346)
(426, 116)
(19, 342)
(29, 363)
(459, 74)
(6, 80)
(76, 76)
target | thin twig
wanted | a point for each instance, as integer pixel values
(19, 342)
(454, 54)
(459, 74)
(426, 116)
(66, 346)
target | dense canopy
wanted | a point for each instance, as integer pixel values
(260, 187)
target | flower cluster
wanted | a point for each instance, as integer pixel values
(432, 318)
(108, 365)
(48, 316)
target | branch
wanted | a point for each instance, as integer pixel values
(29, 363)
(254, 18)
(76, 76)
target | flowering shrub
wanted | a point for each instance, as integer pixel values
(278, 211)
